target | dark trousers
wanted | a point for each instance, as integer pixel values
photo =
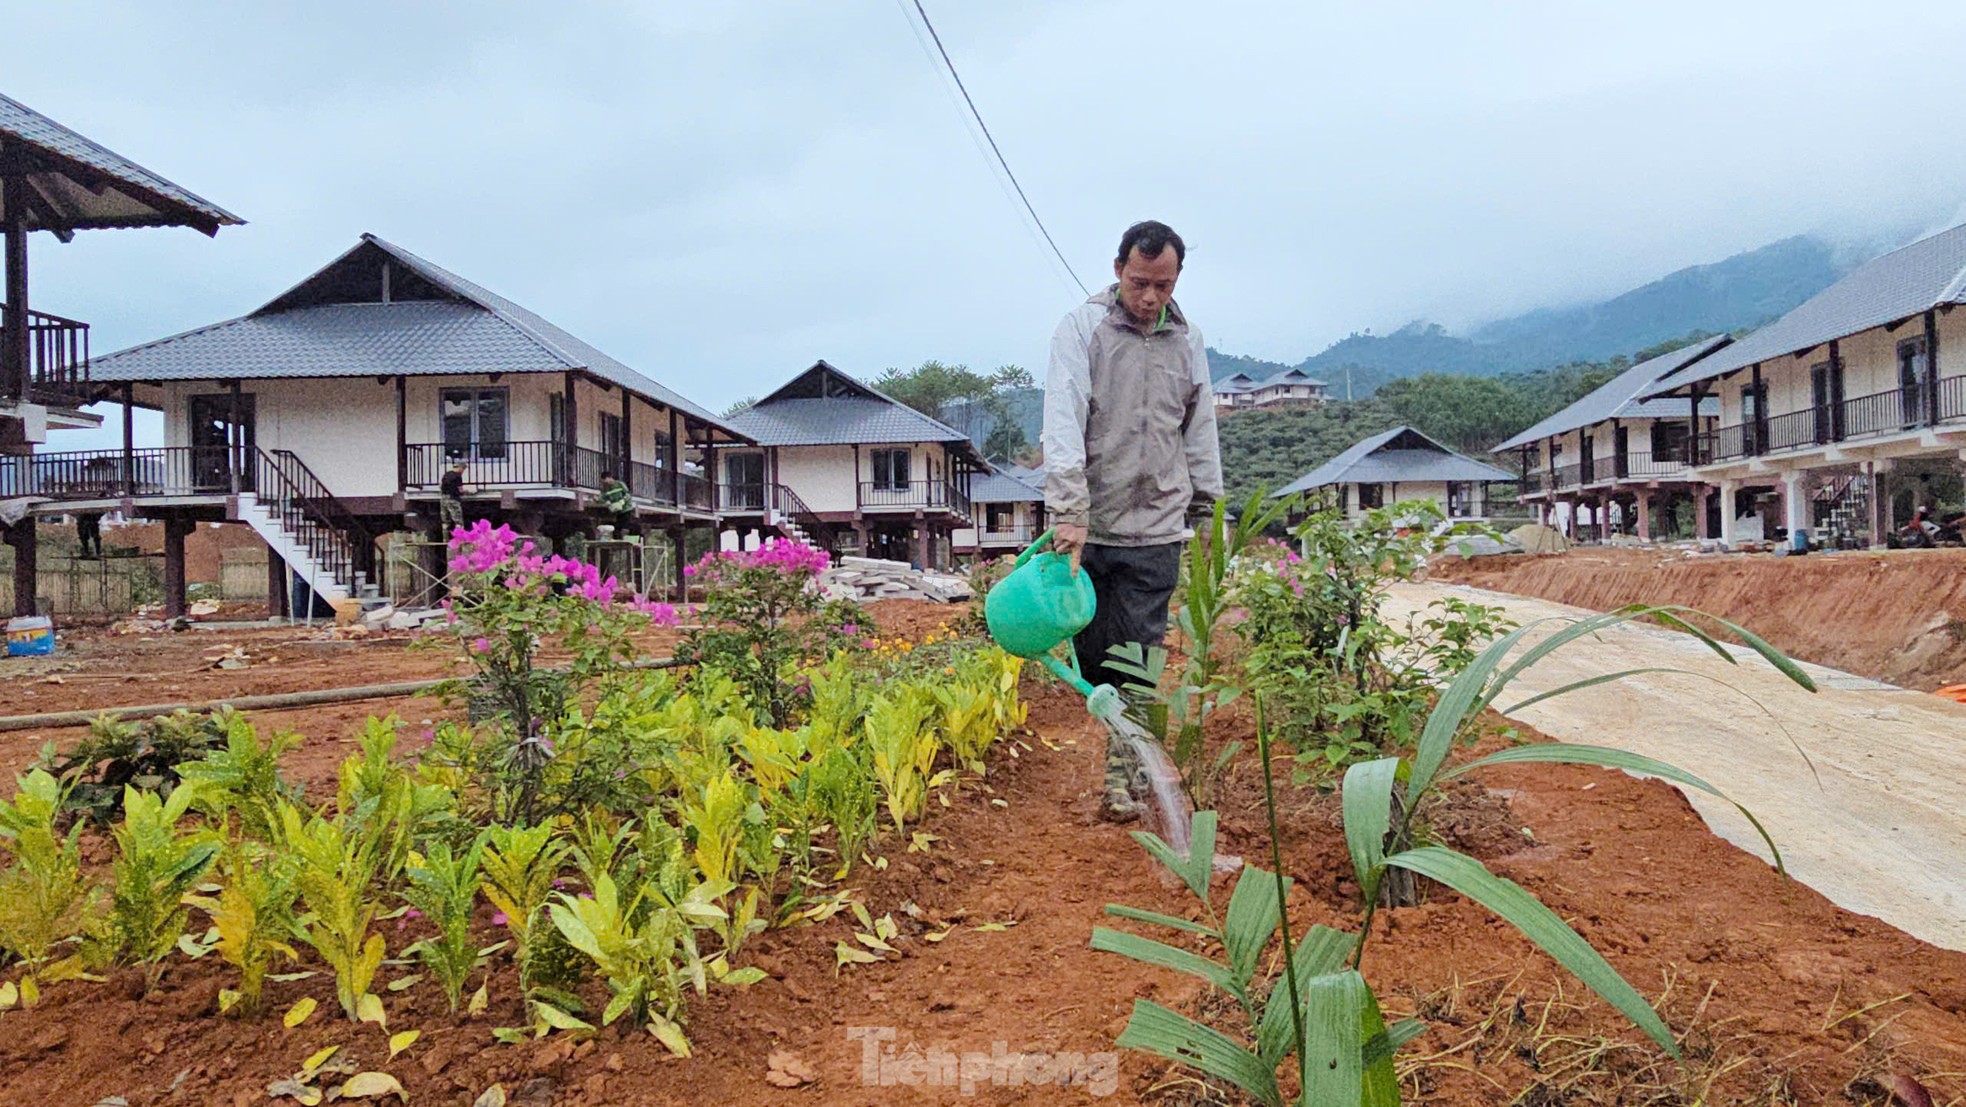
(1133, 584)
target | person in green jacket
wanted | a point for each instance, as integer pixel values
(619, 501)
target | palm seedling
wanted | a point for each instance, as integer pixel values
(1323, 1010)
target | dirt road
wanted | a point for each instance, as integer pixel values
(1879, 827)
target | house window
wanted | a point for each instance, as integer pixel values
(1457, 499)
(999, 518)
(662, 441)
(890, 470)
(474, 422)
(1371, 496)
(1669, 441)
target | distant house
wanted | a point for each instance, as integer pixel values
(53, 179)
(1009, 503)
(1289, 388)
(325, 419)
(1611, 447)
(841, 464)
(1850, 411)
(1400, 464)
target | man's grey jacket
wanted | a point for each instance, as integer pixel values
(1129, 425)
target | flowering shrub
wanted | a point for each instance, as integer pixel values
(1342, 682)
(508, 603)
(764, 617)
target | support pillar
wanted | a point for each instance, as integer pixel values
(1795, 503)
(1728, 488)
(918, 542)
(279, 592)
(1642, 509)
(14, 339)
(1880, 502)
(23, 538)
(175, 531)
(1701, 497)
(860, 535)
(679, 540)
(129, 439)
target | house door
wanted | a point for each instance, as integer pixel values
(221, 439)
(746, 474)
(1585, 462)
(1621, 439)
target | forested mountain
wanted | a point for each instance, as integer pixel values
(1739, 292)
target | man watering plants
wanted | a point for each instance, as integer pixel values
(1130, 456)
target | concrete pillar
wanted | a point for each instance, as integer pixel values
(278, 592)
(678, 541)
(175, 532)
(23, 538)
(1727, 490)
(860, 535)
(1880, 501)
(1795, 502)
(1642, 509)
(1701, 497)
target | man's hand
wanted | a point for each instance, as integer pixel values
(1068, 538)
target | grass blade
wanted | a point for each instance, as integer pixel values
(1334, 1016)
(1252, 918)
(1121, 910)
(1323, 951)
(1540, 925)
(1569, 753)
(1587, 682)
(1368, 810)
(1170, 1034)
(1108, 940)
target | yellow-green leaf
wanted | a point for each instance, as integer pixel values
(191, 947)
(860, 912)
(493, 1096)
(9, 996)
(921, 840)
(299, 1012)
(941, 778)
(289, 977)
(480, 1000)
(885, 927)
(749, 974)
(288, 1088)
(847, 955)
(670, 1035)
(872, 942)
(560, 1020)
(403, 983)
(400, 1042)
(370, 1085)
(369, 1009)
(320, 1058)
(30, 991)
(938, 935)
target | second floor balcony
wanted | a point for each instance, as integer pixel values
(57, 370)
(1894, 411)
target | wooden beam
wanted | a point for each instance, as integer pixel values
(235, 437)
(1931, 366)
(129, 439)
(402, 433)
(14, 349)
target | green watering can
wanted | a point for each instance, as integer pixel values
(1040, 605)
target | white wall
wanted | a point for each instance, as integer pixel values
(822, 476)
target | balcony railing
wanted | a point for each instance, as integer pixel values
(551, 464)
(57, 361)
(1019, 533)
(1887, 412)
(920, 495)
(108, 474)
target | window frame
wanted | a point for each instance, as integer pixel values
(476, 448)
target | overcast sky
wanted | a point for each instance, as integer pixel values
(719, 194)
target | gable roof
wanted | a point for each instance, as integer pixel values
(1291, 376)
(79, 184)
(1005, 484)
(1401, 454)
(1927, 274)
(337, 324)
(1619, 397)
(1235, 382)
(825, 407)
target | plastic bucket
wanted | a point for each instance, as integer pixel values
(30, 636)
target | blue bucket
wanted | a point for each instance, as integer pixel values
(30, 636)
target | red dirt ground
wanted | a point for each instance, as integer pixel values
(1773, 990)
(1897, 616)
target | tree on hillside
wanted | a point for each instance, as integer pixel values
(932, 386)
(1274, 447)
(1469, 414)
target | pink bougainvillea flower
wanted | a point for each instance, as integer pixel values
(482, 645)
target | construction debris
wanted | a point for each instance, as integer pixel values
(865, 579)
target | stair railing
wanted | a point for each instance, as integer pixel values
(314, 516)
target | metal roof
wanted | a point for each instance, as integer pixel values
(1927, 274)
(825, 407)
(79, 184)
(1618, 398)
(1290, 376)
(1398, 455)
(1003, 485)
(456, 327)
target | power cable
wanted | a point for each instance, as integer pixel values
(994, 149)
